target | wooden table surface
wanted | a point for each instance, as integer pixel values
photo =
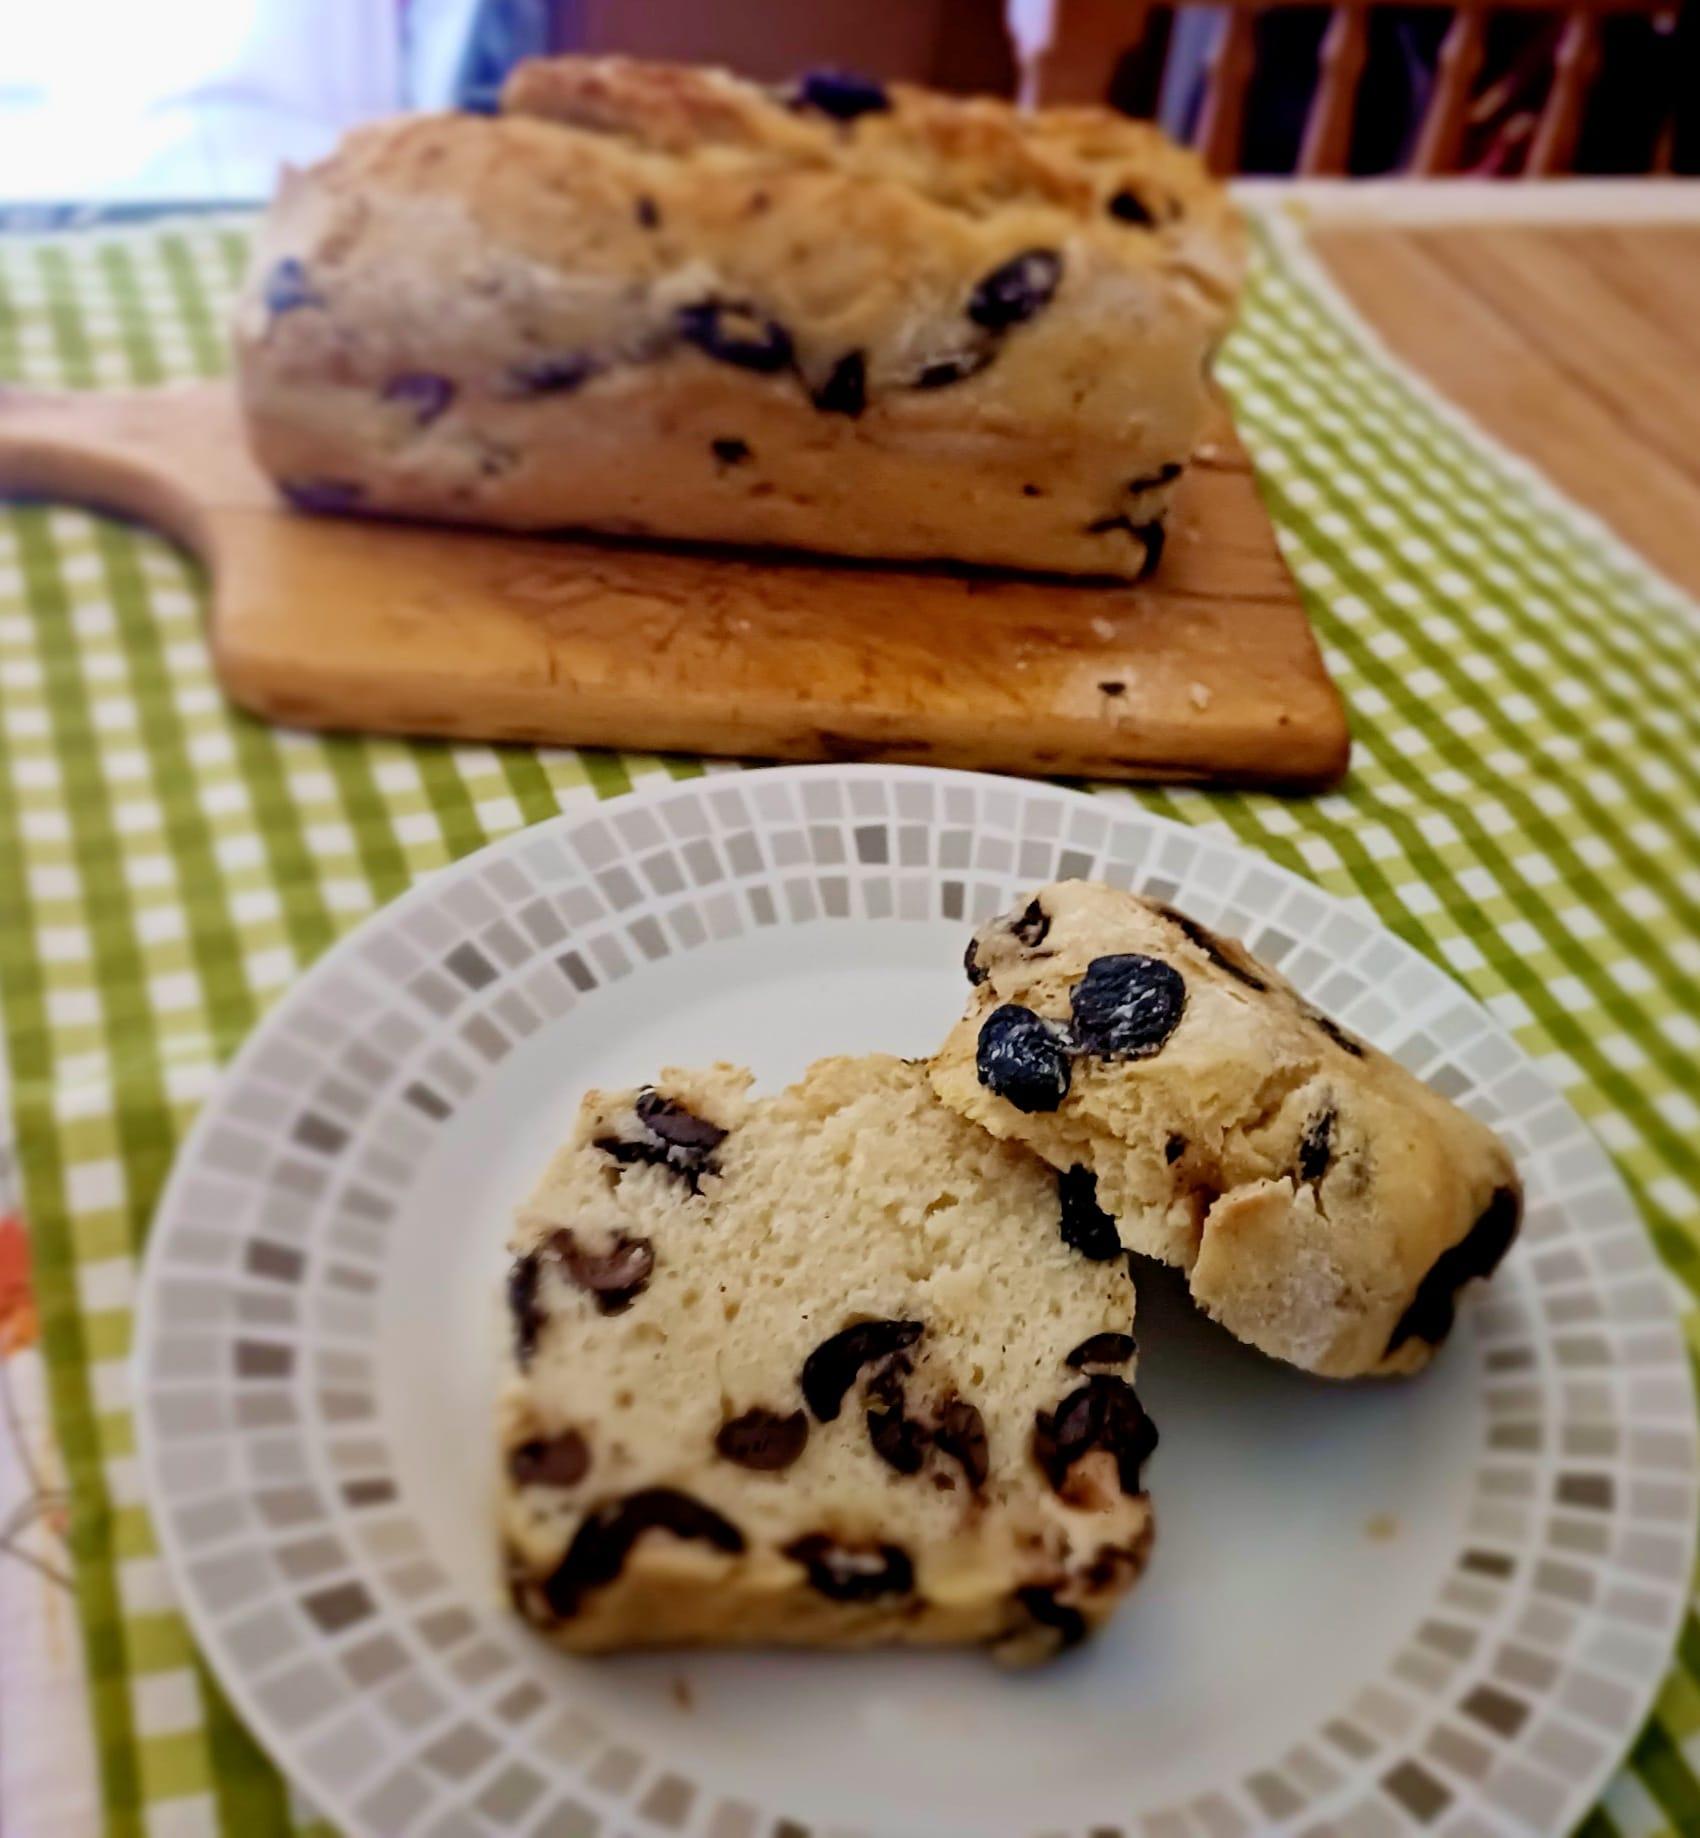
(1578, 345)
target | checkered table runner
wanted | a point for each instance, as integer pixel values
(1524, 807)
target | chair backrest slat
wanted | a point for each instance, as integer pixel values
(1231, 61)
(1561, 120)
(1073, 49)
(1340, 65)
(1442, 131)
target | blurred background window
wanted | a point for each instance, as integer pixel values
(161, 99)
(155, 100)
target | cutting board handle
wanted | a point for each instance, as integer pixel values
(162, 456)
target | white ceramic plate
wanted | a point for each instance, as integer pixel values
(1438, 1606)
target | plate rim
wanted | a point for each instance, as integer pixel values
(234, 1680)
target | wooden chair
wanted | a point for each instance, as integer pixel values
(1089, 39)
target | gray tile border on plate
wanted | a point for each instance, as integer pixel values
(1580, 1520)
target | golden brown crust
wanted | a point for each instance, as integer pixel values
(976, 153)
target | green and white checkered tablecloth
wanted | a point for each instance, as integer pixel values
(1524, 807)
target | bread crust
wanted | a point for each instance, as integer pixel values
(651, 300)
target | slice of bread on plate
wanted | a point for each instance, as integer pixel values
(822, 1369)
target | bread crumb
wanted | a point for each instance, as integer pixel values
(1381, 1527)
(683, 1695)
(1206, 453)
(1198, 694)
(1103, 628)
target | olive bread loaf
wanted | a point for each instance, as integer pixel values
(660, 301)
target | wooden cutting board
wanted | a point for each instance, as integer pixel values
(1207, 671)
